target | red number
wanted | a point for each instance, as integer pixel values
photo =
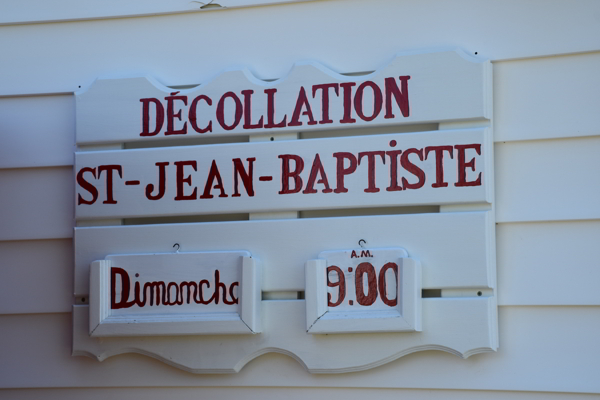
(341, 284)
(371, 296)
(383, 286)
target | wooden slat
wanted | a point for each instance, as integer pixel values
(536, 344)
(547, 180)
(36, 203)
(545, 98)
(35, 11)
(543, 263)
(37, 131)
(88, 49)
(283, 246)
(278, 162)
(427, 85)
(277, 393)
(36, 276)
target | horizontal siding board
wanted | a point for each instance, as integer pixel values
(36, 203)
(289, 393)
(547, 180)
(36, 11)
(548, 97)
(37, 131)
(36, 276)
(76, 53)
(537, 343)
(543, 263)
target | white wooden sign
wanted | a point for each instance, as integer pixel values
(367, 298)
(436, 167)
(363, 290)
(411, 88)
(175, 294)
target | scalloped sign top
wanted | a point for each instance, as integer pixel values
(414, 88)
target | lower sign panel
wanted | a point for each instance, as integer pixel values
(175, 294)
(363, 290)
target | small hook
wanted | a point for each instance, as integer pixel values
(178, 247)
(360, 243)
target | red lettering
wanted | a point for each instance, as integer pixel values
(439, 163)
(271, 111)
(325, 99)
(109, 180)
(302, 102)
(171, 115)
(287, 173)
(340, 284)
(160, 117)
(193, 114)
(413, 169)
(239, 170)
(317, 168)
(180, 180)
(162, 182)
(212, 175)
(341, 172)
(125, 287)
(463, 165)
(221, 111)
(362, 298)
(347, 118)
(394, 155)
(371, 163)
(248, 111)
(383, 284)
(87, 186)
(377, 100)
(400, 95)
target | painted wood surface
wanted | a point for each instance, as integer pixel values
(412, 88)
(47, 196)
(47, 140)
(476, 27)
(357, 291)
(448, 259)
(522, 252)
(572, 164)
(37, 348)
(462, 327)
(36, 276)
(35, 11)
(221, 289)
(278, 393)
(527, 108)
(381, 170)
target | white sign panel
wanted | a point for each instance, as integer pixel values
(175, 294)
(363, 290)
(411, 88)
(439, 167)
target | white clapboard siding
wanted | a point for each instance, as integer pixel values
(543, 263)
(536, 345)
(31, 11)
(547, 180)
(276, 393)
(36, 203)
(75, 54)
(548, 97)
(36, 276)
(37, 131)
